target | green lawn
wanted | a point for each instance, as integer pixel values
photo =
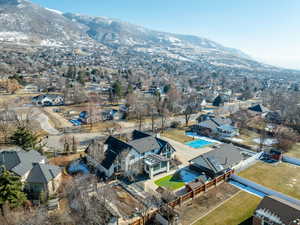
(168, 183)
(236, 211)
(282, 177)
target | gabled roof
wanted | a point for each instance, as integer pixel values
(142, 143)
(259, 108)
(115, 147)
(221, 121)
(227, 127)
(145, 144)
(214, 122)
(42, 173)
(208, 124)
(217, 160)
(21, 163)
(278, 209)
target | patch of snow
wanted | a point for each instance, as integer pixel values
(13, 36)
(173, 39)
(51, 43)
(55, 11)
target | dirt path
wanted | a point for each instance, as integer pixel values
(44, 122)
(58, 120)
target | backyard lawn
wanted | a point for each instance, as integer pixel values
(248, 137)
(282, 177)
(177, 135)
(236, 211)
(294, 151)
(168, 183)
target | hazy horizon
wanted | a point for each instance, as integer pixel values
(264, 29)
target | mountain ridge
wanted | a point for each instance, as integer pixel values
(26, 23)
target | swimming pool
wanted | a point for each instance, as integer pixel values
(78, 167)
(199, 143)
(185, 175)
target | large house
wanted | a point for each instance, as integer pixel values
(217, 161)
(36, 175)
(276, 211)
(144, 150)
(48, 100)
(209, 125)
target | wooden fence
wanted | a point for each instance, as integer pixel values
(190, 195)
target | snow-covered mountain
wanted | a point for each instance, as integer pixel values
(25, 23)
(22, 22)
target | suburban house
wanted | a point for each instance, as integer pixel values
(276, 211)
(112, 114)
(217, 161)
(48, 100)
(35, 173)
(144, 150)
(273, 117)
(211, 125)
(258, 109)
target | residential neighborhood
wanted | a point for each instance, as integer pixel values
(105, 122)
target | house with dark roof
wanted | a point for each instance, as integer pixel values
(31, 167)
(210, 125)
(276, 211)
(48, 100)
(217, 161)
(258, 109)
(147, 149)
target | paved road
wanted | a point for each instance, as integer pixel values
(53, 142)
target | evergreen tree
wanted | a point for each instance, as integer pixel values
(25, 138)
(117, 89)
(218, 101)
(11, 190)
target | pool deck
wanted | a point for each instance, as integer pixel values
(186, 153)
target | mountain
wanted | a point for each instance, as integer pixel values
(23, 22)
(116, 44)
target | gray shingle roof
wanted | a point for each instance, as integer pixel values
(21, 162)
(145, 144)
(286, 211)
(43, 173)
(217, 160)
(208, 124)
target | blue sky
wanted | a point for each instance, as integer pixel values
(268, 30)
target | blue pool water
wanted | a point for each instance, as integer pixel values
(78, 167)
(186, 175)
(199, 143)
